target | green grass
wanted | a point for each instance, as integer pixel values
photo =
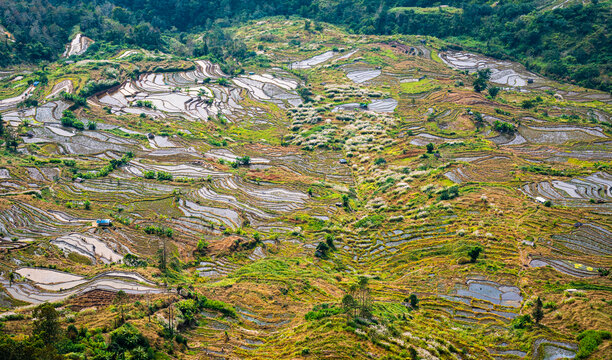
(419, 87)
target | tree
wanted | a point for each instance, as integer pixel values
(474, 253)
(414, 301)
(538, 313)
(349, 304)
(329, 240)
(11, 278)
(202, 246)
(322, 250)
(120, 298)
(345, 202)
(482, 76)
(493, 91)
(430, 148)
(46, 323)
(1, 126)
(363, 296)
(162, 257)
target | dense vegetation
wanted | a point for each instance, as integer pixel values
(570, 43)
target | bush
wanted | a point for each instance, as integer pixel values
(380, 161)
(149, 174)
(589, 341)
(504, 127)
(474, 253)
(319, 313)
(370, 221)
(449, 193)
(162, 175)
(522, 322)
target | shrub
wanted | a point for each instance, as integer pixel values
(370, 221)
(522, 322)
(149, 174)
(474, 252)
(504, 127)
(380, 161)
(162, 175)
(589, 341)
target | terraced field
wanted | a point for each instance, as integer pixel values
(346, 165)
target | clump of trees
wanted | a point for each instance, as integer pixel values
(358, 302)
(8, 136)
(324, 248)
(504, 127)
(49, 341)
(70, 120)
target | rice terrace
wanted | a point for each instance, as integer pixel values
(311, 179)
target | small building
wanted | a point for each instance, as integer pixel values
(36, 83)
(343, 161)
(251, 73)
(540, 199)
(78, 180)
(103, 222)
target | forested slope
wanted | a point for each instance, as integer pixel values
(570, 43)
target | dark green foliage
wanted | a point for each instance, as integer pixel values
(430, 148)
(502, 112)
(46, 323)
(158, 230)
(329, 240)
(224, 308)
(547, 170)
(413, 300)
(134, 261)
(504, 127)
(449, 193)
(305, 94)
(129, 342)
(482, 76)
(537, 312)
(474, 253)
(380, 161)
(522, 322)
(70, 120)
(493, 91)
(30, 348)
(244, 160)
(77, 100)
(93, 87)
(603, 272)
(162, 175)
(569, 42)
(112, 165)
(144, 103)
(370, 221)
(589, 341)
(322, 311)
(322, 250)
